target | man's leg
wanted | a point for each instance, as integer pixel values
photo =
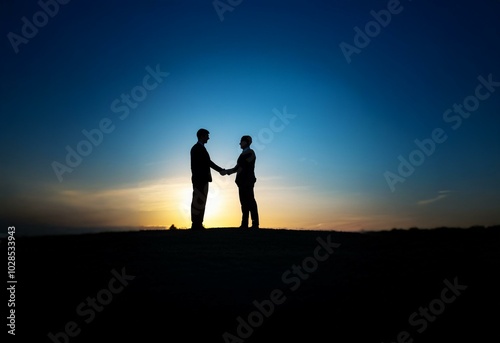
(200, 192)
(252, 207)
(244, 206)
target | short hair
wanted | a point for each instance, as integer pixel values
(247, 139)
(202, 132)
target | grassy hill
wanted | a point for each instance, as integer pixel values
(429, 285)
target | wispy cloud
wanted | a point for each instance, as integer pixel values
(441, 195)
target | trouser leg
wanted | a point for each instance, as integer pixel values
(248, 206)
(198, 203)
(244, 206)
(252, 207)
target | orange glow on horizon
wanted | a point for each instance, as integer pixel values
(165, 202)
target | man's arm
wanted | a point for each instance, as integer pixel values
(216, 167)
(232, 170)
(243, 161)
(195, 159)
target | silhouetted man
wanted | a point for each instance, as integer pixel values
(245, 179)
(200, 177)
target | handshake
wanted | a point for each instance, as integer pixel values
(225, 172)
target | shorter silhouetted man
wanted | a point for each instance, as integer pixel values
(200, 177)
(245, 179)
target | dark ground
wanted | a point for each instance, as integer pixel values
(192, 286)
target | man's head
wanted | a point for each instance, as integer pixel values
(203, 135)
(245, 141)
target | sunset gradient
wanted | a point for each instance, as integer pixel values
(364, 114)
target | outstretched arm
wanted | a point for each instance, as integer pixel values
(216, 167)
(232, 170)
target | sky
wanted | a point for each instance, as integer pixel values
(365, 115)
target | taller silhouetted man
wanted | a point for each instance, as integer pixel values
(200, 177)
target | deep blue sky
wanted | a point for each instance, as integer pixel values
(330, 162)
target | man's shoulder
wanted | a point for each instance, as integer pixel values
(196, 146)
(247, 155)
(249, 152)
